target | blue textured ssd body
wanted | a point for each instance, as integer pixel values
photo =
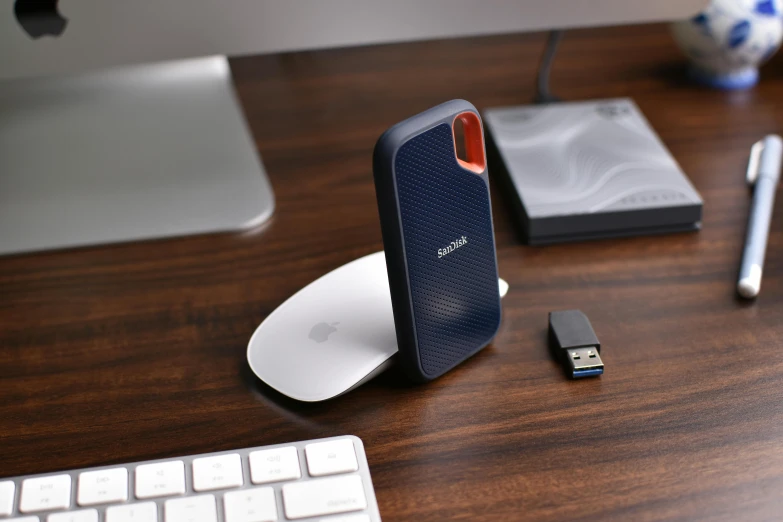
(438, 236)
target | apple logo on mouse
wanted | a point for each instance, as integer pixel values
(320, 333)
(40, 18)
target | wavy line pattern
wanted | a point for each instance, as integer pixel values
(585, 157)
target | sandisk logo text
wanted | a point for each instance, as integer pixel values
(452, 247)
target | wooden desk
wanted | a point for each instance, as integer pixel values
(132, 352)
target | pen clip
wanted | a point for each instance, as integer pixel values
(754, 162)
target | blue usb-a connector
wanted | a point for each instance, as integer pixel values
(584, 362)
(574, 343)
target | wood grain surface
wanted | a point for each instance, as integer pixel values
(137, 351)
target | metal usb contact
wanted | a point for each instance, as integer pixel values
(585, 362)
(574, 343)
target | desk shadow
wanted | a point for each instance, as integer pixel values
(678, 75)
(742, 302)
(675, 74)
(314, 414)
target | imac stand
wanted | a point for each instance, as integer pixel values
(126, 154)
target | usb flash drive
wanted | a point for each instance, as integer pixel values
(574, 343)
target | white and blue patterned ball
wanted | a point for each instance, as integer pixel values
(729, 40)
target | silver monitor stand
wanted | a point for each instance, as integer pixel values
(126, 154)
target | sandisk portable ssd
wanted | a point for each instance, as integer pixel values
(436, 220)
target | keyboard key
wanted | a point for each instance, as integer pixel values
(250, 505)
(99, 487)
(324, 497)
(348, 518)
(184, 487)
(191, 509)
(222, 471)
(141, 512)
(274, 465)
(331, 457)
(160, 479)
(7, 497)
(83, 515)
(45, 493)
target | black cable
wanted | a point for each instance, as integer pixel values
(545, 67)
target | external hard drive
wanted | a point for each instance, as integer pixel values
(438, 237)
(589, 170)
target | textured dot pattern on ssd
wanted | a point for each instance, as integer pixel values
(442, 203)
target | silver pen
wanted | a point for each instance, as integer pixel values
(763, 174)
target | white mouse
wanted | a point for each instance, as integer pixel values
(331, 336)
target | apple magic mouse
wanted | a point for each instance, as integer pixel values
(331, 336)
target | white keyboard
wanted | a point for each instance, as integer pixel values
(318, 480)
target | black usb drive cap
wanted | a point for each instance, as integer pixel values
(574, 343)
